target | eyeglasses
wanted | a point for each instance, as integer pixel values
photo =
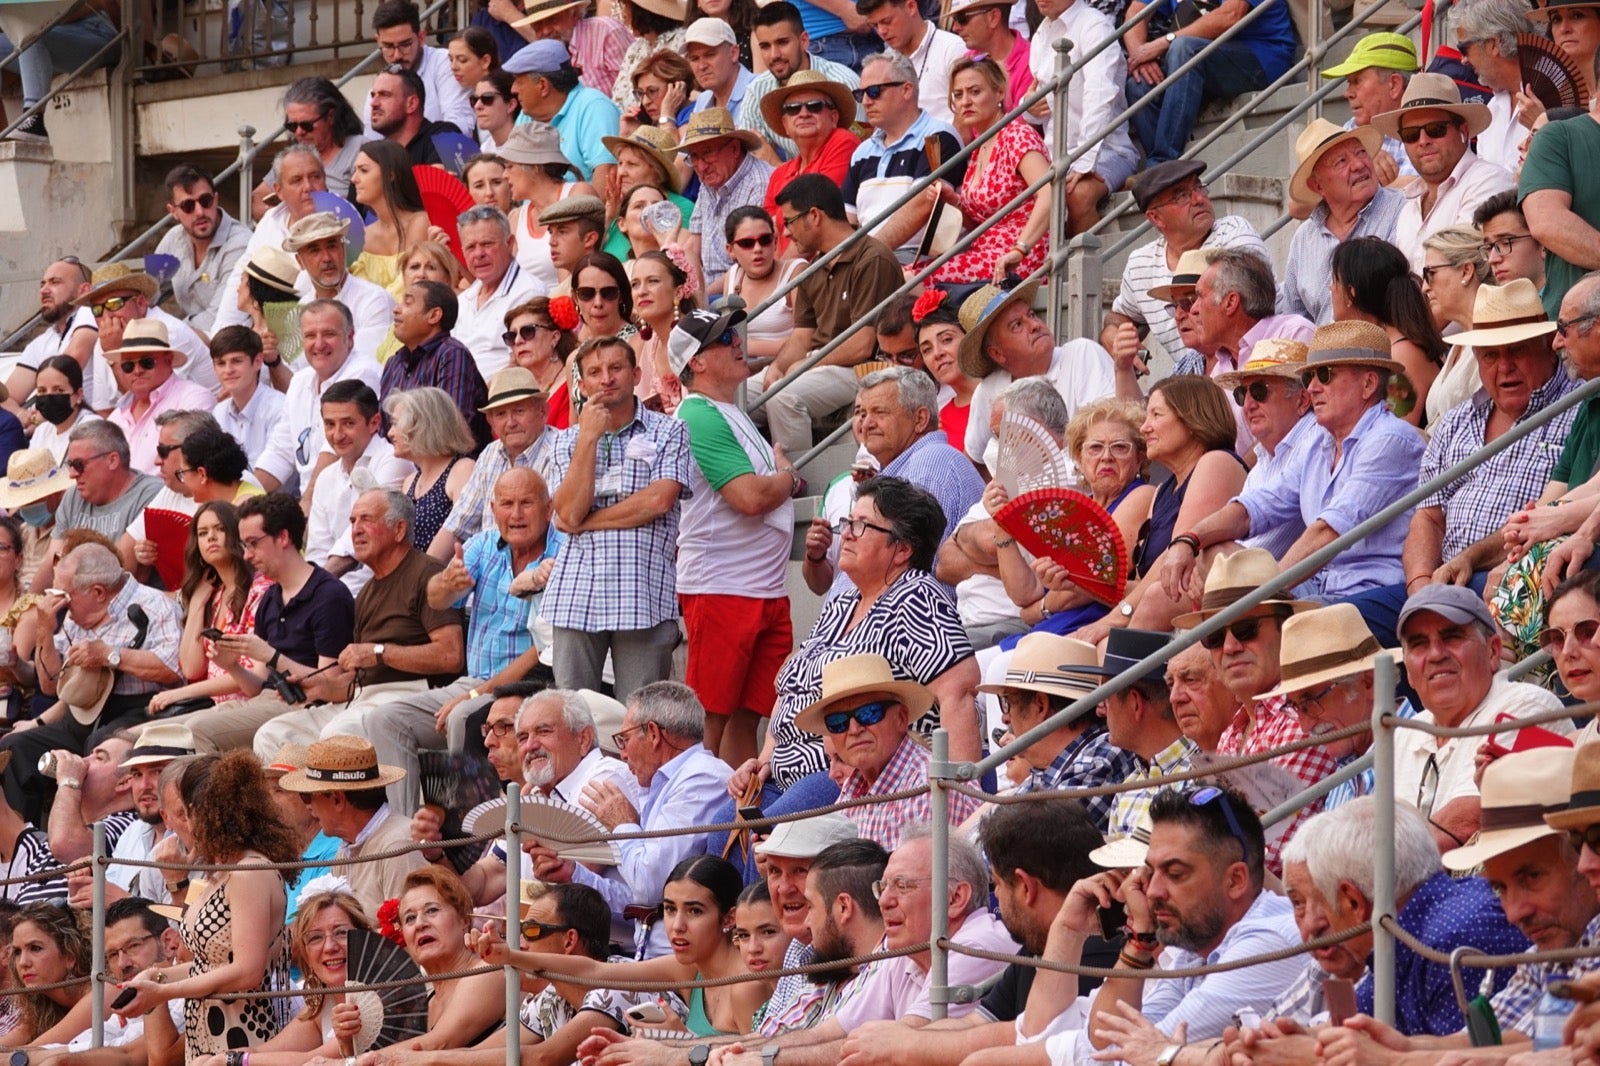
(1244, 631)
(129, 948)
(302, 127)
(867, 714)
(1434, 130)
(901, 885)
(873, 92)
(178, 473)
(608, 293)
(1182, 194)
(144, 362)
(203, 201)
(1429, 272)
(1256, 390)
(532, 930)
(110, 303)
(1552, 638)
(77, 465)
(1321, 374)
(164, 450)
(1587, 837)
(252, 543)
(814, 107)
(1305, 700)
(1183, 303)
(965, 17)
(485, 99)
(1505, 245)
(1212, 794)
(1428, 786)
(1119, 449)
(1563, 324)
(858, 527)
(528, 333)
(620, 739)
(497, 729)
(315, 941)
(748, 243)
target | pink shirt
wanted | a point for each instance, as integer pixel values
(1019, 74)
(178, 394)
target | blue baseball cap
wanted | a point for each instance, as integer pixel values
(545, 56)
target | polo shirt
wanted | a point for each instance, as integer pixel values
(880, 172)
(318, 621)
(584, 118)
(857, 280)
(481, 328)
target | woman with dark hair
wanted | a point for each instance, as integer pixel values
(1372, 283)
(48, 945)
(18, 624)
(658, 26)
(604, 295)
(317, 114)
(383, 183)
(541, 346)
(540, 176)
(939, 334)
(473, 56)
(663, 292)
(234, 925)
(58, 397)
(495, 108)
(756, 274)
(221, 590)
(427, 430)
(1571, 635)
(638, 236)
(214, 467)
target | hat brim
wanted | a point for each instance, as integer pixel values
(1123, 853)
(514, 396)
(837, 92)
(292, 245)
(669, 167)
(666, 8)
(89, 713)
(745, 137)
(1192, 167)
(970, 356)
(272, 281)
(1234, 378)
(143, 284)
(915, 696)
(115, 354)
(1497, 335)
(548, 12)
(1573, 817)
(13, 497)
(297, 781)
(1320, 677)
(1194, 618)
(1165, 293)
(1299, 188)
(1476, 116)
(1541, 13)
(1486, 845)
(725, 320)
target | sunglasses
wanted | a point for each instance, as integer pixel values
(114, 303)
(1256, 390)
(485, 99)
(1587, 837)
(1552, 638)
(1244, 631)
(873, 92)
(837, 722)
(164, 450)
(203, 201)
(1434, 130)
(301, 127)
(608, 293)
(814, 107)
(1212, 794)
(144, 362)
(532, 930)
(523, 333)
(77, 465)
(749, 243)
(1322, 375)
(965, 17)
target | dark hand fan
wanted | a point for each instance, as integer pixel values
(454, 784)
(389, 1015)
(1071, 529)
(1549, 73)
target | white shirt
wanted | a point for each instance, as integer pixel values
(981, 600)
(135, 843)
(1080, 370)
(480, 328)
(163, 500)
(297, 436)
(444, 100)
(1499, 144)
(54, 342)
(253, 426)
(328, 528)
(270, 231)
(370, 306)
(119, 1033)
(933, 59)
(1472, 182)
(1095, 94)
(48, 436)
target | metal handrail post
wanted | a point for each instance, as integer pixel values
(247, 152)
(1383, 903)
(513, 848)
(1058, 201)
(97, 950)
(939, 823)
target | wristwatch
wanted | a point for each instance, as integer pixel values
(377, 653)
(1169, 38)
(1169, 1055)
(769, 1054)
(699, 1054)
(1125, 609)
(68, 782)
(114, 658)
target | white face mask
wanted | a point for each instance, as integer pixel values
(991, 453)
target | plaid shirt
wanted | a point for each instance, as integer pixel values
(611, 580)
(1131, 806)
(444, 363)
(884, 822)
(1277, 725)
(497, 630)
(162, 632)
(746, 188)
(471, 513)
(1479, 504)
(1304, 1002)
(1088, 762)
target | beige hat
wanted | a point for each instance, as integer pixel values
(286, 760)
(712, 124)
(1321, 645)
(857, 675)
(1317, 140)
(1506, 314)
(1124, 853)
(572, 208)
(977, 312)
(32, 474)
(1517, 791)
(160, 742)
(546, 9)
(806, 838)
(119, 277)
(676, 10)
(142, 337)
(341, 764)
(1351, 343)
(84, 690)
(1583, 804)
(1185, 276)
(607, 714)
(1042, 662)
(655, 143)
(510, 385)
(274, 268)
(317, 226)
(709, 31)
(809, 81)
(1232, 578)
(1433, 92)
(535, 144)
(1270, 357)
(960, 6)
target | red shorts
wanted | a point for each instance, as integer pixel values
(736, 647)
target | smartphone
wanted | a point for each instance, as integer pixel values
(211, 633)
(124, 998)
(750, 814)
(1340, 996)
(1112, 920)
(646, 1014)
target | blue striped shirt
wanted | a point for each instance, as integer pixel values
(497, 631)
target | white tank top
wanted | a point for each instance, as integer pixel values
(777, 321)
(533, 253)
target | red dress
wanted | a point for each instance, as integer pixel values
(983, 195)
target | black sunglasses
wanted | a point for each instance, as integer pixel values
(1434, 130)
(164, 450)
(608, 293)
(749, 243)
(1321, 374)
(1244, 631)
(815, 107)
(524, 333)
(1587, 837)
(144, 362)
(1256, 390)
(204, 201)
(302, 127)
(837, 722)
(485, 99)
(873, 92)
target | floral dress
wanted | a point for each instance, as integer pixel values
(223, 619)
(983, 193)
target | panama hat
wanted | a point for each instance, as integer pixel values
(1315, 141)
(1232, 578)
(1270, 357)
(1386, 51)
(32, 474)
(857, 675)
(143, 336)
(341, 764)
(1124, 853)
(1517, 791)
(809, 81)
(535, 144)
(1321, 645)
(713, 124)
(286, 760)
(1506, 314)
(655, 143)
(1351, 343)
(510, 385)
(977, 312)
(1583, 803)
(317, 226)
(547, 9)
(607, 714)
(119, 277)
(676, 10)
(274, 268)
(1185, 276)
(160, 742)
(84, 690)
(962, 6)
(1433, 92)
(1044, 662)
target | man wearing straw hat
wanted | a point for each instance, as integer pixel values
(318, 243)
(782, 41)
(597, 43)
(148, 361)
(1277, 411)
(723, 157)
(120, 295)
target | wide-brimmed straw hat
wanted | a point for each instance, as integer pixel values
(538, 12)
(1044, 662)
(1317, 140)
(1124, 853)
(1232, 578)
(1506, 314)
(142, 337)
(1185, 276)
(1433, 92)
(511, 385)
(317, 226)
(119, 277)
(160, 742)
(1321, 645)
(535, 144)
(1583, 802)
(858, 675)
(341, 764)
(1517, 791)
(84, 690)
(655, 143)
(1270, 357)
(1351, 343)
(286, 760)
(808, 81)
(676, 10)
(712, 124)
(32, 474)
(977, 312)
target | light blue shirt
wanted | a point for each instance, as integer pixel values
(1269, 468)
(1305, 288)
(741, 87)
(586, 116)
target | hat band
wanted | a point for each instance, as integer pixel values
(1185, 279)
(1326, 354)
(1429, 101)
(1216, 599)
(1315, 664)
(1519, 816)
(145, 342)
(268, 277)
(365, 773)
(1041, 677)
(511, 394)
(167, 750)
(1586, 798)
(1501, 323)
(34, 482)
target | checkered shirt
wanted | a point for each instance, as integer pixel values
(1276, 725)
(471, 513)
(1131, 806)
(884, 822)
(1088, 762)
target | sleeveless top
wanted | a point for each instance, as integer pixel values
(432, 507)
(777, 321)
(1158, 528)
(212, 1026)
(699, 1022)
(533, 251)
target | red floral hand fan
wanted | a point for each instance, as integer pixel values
(445, 198)
(1069, 528)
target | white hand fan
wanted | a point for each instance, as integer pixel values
(551, 823)
(1030, 459)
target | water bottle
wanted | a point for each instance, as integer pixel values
(1549, 1019)
(662, 218)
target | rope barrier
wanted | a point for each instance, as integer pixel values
(1563, 714)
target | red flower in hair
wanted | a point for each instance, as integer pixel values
(564, 313)
(929, 302)
(389, 921)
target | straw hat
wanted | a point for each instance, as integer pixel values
(1044, 662)
(977, 312)
(1124, 853)
(1433, 92)
(676, 10)
(860, 675)
(535, 144)
(808, 81)
(1583, 803)
(1517, 791)
(1386, 51)
(655, 143)
(317, 226)
(341, 764)
(160, 742)
(1506, 314)
(142, 337)
(32, 474)
(1317, 140)
(85, 689)
(119, 277)
(1232, 578)
(538, 12)
(1321, 645)
(510, 385)
(274, 268)
(1270, 357)
(1185, 276)
(286, 760)
(960, 6)
(1541, 12)
(712, 124)
(1351, 344)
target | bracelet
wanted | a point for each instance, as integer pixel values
(178, 886)
(1044, 612)
(1019, 249)
(818, 561)
(1186, 538)
(666, 120)
(274, 364)
(998, 543)
(1124, 959)
(1144, 940)
(272, 663)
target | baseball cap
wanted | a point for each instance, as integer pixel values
(696, 332)
(1457, 603)
(709, 31)
(807, 838)
(1386, 51)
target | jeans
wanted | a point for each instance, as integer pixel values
(62, 50)
(1164, 128)
(848, 48)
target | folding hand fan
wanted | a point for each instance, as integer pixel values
(454, 150)
(390, 1015)
(454, 784)
(161, 267)
(1068, 527)
(1029, 459)
(445, 198)
(170, 531)
(283, 318)
(355, 237)
(552, 823)
(1550, 73)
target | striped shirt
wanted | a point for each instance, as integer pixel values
(31, 855)
(471, 511)
(1147, 268)
(1307, 278)
(597, 46)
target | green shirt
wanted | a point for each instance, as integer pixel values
(1582, 449)
(1566, 156)
(617, 241)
